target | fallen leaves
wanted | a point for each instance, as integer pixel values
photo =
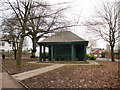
(25, 66)
(104, 76)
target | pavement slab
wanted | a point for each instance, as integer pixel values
(28, 74)
(9, 82)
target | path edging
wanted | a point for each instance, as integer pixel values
(24, 86)
(6, 70)
(15, 79)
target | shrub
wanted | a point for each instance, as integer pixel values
(103, 54)
(25, 52)
(116, 53)
(46, 55)
(91, 57)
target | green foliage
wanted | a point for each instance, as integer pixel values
(116, 53)
(91, 57)
(46, 55)
(25, 52)
(103, 54)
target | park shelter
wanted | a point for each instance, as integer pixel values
(63, 45)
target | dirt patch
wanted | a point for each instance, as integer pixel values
(76, 76)
(10, 66)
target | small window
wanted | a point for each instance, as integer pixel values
(10, 45)
(0, 43)
(2, 51)
(100, 51)
(3, 43)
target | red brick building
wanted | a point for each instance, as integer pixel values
(97, 51)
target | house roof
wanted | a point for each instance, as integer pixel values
(1, 37)
(64, 36)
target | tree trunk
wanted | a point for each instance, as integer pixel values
(15, 54)
(19, 53)
(34, 48)
(112, 54)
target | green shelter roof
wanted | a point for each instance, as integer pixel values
(64, 36)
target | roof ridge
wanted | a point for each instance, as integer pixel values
(63, 36)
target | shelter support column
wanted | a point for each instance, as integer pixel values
(52, 59)
(72, 52)
(40, 60)
(43, 53)
(84, 53)
(49, 53)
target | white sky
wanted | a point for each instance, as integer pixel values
(83, 8)
(86, 10)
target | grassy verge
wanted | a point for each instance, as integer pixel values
(9, 65)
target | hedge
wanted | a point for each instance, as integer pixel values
(91, 57)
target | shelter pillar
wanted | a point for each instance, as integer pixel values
(72, 52)
(84, 53)
(40, 60)
(49, 53)
(43, 53)
(52, 59)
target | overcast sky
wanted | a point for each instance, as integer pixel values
(86, 10)
(81, 10)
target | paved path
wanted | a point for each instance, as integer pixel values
(9, 82)
(91, 62)
(28, 74)
(106, 59)
(6, 81)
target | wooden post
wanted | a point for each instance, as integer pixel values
(52, 53)
(43, 53)
(84, 53)
(49, 53)
(72, 53)
(40, 53)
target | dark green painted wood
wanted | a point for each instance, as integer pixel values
(62, 43)
(52, 58)
(72, 53)
(49, 53)
(84, 53)
(80, 52)
(62, 51)
(66, 50)
(40, 53)
(43, 53)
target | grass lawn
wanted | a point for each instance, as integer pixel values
(9, 65)
(76, 76)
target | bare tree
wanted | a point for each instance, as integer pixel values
(92, 43)
(49, 21)
(105, 24)
(21, 9)
(11, 33)
(34, 21)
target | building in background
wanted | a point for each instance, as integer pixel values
(88, 50)
(4, 46)
(97, 52)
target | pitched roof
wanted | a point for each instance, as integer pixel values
(64, 36)
(1, 37)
